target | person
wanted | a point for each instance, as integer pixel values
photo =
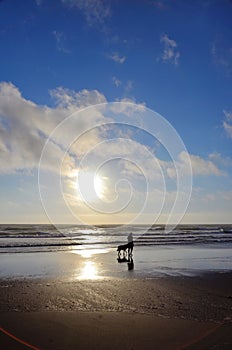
(130, 243)
(130, 237)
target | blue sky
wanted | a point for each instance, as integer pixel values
(174, 57)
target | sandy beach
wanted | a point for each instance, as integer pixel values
(155, 313)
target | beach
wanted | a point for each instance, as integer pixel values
(105, 305)
(160, 313)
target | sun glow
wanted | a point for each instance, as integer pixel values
(89, 271)
(90, 186)
(88, 253)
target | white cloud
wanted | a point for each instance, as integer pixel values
(221, 160)
(95, 11)
(200, 166)
(221, 52)
(126, 169)
(25, 126)
(129, 86)
(117, 58)
(227, 123)
(161, 5)
(116, 81)
(129, 107)
(60, 41)
(226, 195)
(170, 51)
(67, 98)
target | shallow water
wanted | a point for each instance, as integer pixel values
(148, 262)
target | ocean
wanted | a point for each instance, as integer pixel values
(46, 238)
(88, 252)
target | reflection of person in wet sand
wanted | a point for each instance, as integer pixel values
(130, 264)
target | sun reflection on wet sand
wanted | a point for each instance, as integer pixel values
(89, 271)
(88, 253)
(88, 268)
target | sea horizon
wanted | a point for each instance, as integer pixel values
(64, 251)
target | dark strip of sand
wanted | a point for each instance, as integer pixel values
(206, 298)
(96, 330)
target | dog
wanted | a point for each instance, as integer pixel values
(126, 249)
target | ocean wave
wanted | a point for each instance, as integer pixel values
(26, 237)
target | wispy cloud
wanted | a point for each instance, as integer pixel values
(161, 5)
(170, 50)
(129, 86)
(222, 55)
(199, 165)
(116, 57)
(227, 123)
(60, 41)
(221, 160)
(116, 81)
(67, 98)
(95, 11)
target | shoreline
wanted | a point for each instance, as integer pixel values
(102, 263)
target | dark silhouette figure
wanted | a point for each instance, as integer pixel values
(130, 264)
(125, 252)
(130, 243)
(126, 249)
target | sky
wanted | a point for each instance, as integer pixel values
(59, 57)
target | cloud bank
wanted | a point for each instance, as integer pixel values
(25, 127)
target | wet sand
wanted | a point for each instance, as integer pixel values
(151, 261)
(157, 313)
(101, 330)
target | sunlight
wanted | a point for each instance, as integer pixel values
(88, 253)
(91, 186)
(98, 186)
(89, 271)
